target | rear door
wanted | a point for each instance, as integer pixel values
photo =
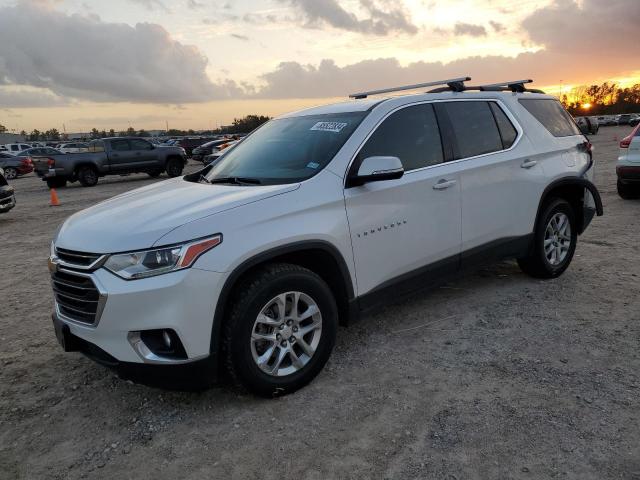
(500, 187)
(119, 154)
(143, 153)
(402, 228)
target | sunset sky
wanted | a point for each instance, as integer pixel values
(200, 63)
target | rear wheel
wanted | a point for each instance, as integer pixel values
(280, 331)
(10, 173)
(87, 176)
(628, 192)
(174, 167)
(555, 240)
(56, 182)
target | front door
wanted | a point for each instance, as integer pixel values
(401, 228)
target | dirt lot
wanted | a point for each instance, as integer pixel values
(496, 375)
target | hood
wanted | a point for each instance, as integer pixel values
(137, 219)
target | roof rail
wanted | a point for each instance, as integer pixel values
(455, 84)
(512, 86)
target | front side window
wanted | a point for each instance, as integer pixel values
(287, 150)
(120, 145)
(552, 116)
(411, 134)
(474, 128)
(137, 144)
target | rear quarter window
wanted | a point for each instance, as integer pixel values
(552, 116)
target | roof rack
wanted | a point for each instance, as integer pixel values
(517, 86)
(455, 84)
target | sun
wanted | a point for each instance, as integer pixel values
(586, 106)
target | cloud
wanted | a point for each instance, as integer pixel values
(86, 58)
(317, 13)
(152, 4)
(109, 121)
(497, 26)
(469, 29)
(12, 97)
(194, 5)
(240, 37)
(574, 39)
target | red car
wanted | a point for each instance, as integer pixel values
(15, 166)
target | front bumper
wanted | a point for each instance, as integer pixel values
(183, 301)
(7, 199)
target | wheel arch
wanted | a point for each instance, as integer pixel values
(79, 165)
(571, 189)
(321, 257)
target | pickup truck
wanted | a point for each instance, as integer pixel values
(110, 156)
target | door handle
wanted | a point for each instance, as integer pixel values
(444, 183)
(529, 163)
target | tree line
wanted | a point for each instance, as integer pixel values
(605, 99)
(239, 125)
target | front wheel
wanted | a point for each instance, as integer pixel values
(174, 167)
(280, 331)
(10, 173)
(555, 240)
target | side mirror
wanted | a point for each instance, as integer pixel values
(377, 169)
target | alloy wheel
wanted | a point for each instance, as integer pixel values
(557, 238)
(286, 334)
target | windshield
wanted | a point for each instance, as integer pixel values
(287, 150)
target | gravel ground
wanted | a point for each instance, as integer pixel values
(496, 375)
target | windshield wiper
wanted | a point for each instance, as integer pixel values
(203, 179)
(236, 180)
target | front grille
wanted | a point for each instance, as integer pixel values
(77, 258)
(77, 296)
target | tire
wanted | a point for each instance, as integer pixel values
(257, 298)
(87, 176)
(56, 182)
(552, 263)
(10, 173)
(628, 192)
(174, 167)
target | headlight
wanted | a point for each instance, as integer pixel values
(148, 263)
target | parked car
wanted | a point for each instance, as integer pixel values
(16, 148)
(635, 120)
(623, 119)
(7, 195)
(15, 166)
(189, 143)
(220, 150)
(607, 120)
(628, 166)
(77, 147)
(110, 156)
(39, 151)
(199, 153)
(588, 125)
(250, 264)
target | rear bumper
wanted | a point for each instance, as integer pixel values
(628, 173)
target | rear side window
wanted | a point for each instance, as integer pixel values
(120, 145)
(508, 132)
(474, 128)
(96, 146)
(411, 134)
(552, 116)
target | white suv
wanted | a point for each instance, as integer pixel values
(628, 167)
(248, 265)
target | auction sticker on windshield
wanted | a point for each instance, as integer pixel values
(335, 127)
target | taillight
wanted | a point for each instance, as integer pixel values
(26, 161)
(51, 162)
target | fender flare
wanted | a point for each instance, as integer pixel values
(264, 257)
(566, 181)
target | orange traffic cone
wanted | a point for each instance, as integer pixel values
(54, 198)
